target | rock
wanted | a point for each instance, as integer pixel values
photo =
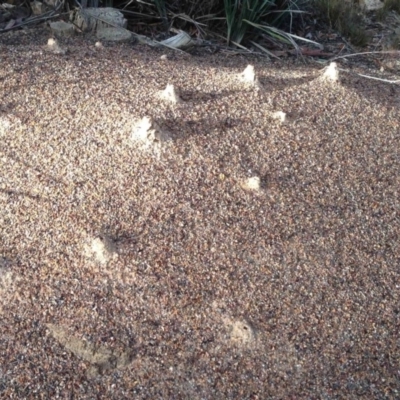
(38, 8)
(52, 3)
(62, 29)
(114, 35)
(94, 19)
(180, 41)
(370, 5)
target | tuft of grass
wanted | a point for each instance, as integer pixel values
(239, 12)
(239, 22)
(344, 17)
(393, 5)
(89, 3)
(389, 5)
(162, 11)
(248, 19)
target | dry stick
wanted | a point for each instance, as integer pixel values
(365, 53)
(372, 77)
(54, 13)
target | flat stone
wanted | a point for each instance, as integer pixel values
(114, 35)
(62, 29)
(38, 7)
(94, 19)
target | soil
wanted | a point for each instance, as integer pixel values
(243, 245)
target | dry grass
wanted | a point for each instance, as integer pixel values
(345, 17)
(391, 5)
(285, 289)
(382, 14)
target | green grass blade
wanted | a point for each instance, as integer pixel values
(162, 10)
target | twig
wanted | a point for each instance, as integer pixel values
(372, 77)
(367, 52)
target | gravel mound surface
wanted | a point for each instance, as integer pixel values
(242, 242)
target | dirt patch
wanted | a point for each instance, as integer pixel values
(101, 358)
(303, 266)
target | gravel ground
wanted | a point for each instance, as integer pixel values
(229, 254)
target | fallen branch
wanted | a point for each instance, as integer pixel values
(396, 82)
(365, 53)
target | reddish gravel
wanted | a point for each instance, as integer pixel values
(209, 287)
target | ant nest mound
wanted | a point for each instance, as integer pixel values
(170, 94)
(252, 184)
(148, 133)
(249, 78)
(102, 249)
(240, 332)
(53, 47)
(331, 73)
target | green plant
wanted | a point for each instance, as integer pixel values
(245, 17)
(392, 5)
(89, 3)
(344, 17)
(162, 10)
(239, 22)
(239, 13)
(389, 5)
